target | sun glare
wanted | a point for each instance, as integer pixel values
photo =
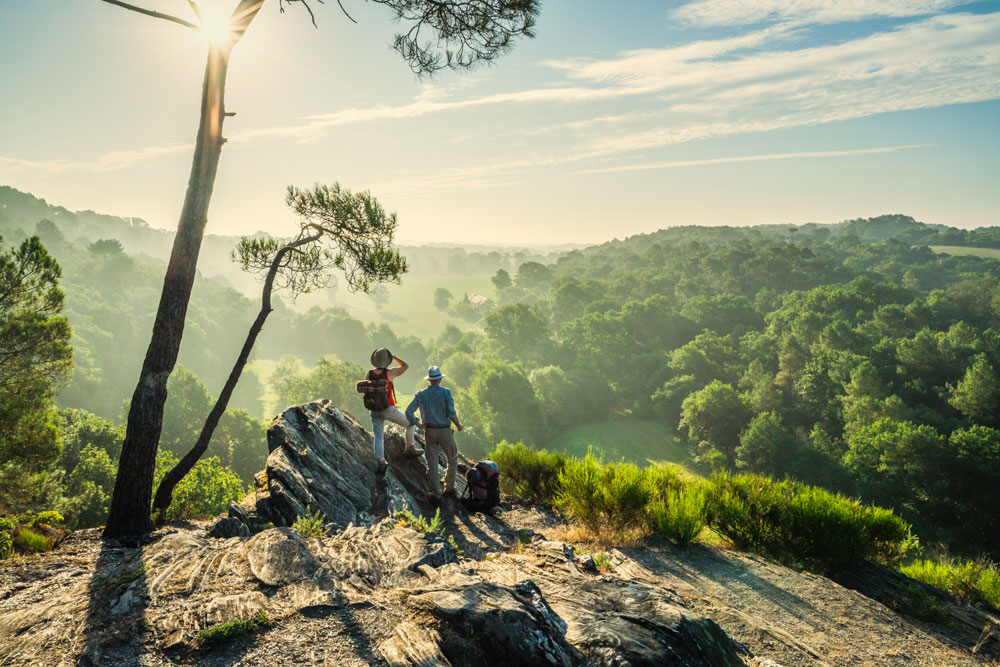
(216, 26)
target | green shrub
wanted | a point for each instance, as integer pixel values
(977, 580)
(49, 517)
(626, 493)
(6, 543)
(914, 601)
(580, 490)
(529, 473)
(680, 515)
(810, 524)
(459, 551)
(311, 525)
(227, 631)
(420, 523)
(602, 563)
(204, 492)
(603, 497)
(30, 541)
(666, 477)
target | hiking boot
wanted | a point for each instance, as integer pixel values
(449, 494)
(433, 499)
(412, 453)
(381, 466)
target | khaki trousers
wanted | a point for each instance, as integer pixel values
(442, 439)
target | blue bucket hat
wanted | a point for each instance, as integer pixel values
(434, 373)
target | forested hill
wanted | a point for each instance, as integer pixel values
(868, 230)
(21, 213)
(850, 356)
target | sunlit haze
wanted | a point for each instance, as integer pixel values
(216, 25)
(618, 118)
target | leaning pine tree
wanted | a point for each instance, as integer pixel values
(338, 229)
(456, 34)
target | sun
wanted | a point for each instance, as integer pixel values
(216, 26)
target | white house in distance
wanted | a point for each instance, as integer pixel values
(478, 300)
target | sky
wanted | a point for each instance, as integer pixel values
(618, 118)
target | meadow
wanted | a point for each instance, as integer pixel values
(992, 253)
(623, 438)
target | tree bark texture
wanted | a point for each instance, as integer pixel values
(129, 514)
(164, 494)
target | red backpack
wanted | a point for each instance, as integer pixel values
(374, 390)
(482, 489)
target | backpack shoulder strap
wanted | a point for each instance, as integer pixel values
(392, 385)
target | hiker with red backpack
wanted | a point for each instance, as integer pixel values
(380, 399)
(437, 414)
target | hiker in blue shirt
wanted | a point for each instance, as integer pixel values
(437, 414)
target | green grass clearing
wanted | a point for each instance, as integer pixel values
(635, 440)
(992, 253)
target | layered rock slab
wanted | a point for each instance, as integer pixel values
(322, 459)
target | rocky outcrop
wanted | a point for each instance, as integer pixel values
(322, 459)
(376, 592)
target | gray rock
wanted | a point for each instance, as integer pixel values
(531, 593)
(620, 623)
(238, 513)
(437, 554)
(280, 556)
(497, 624)
(227, 526)
(322, 459)
(587, 563)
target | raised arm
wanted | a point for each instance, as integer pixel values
(399, 370)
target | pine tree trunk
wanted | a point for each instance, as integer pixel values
(164, 494)
(129, 513)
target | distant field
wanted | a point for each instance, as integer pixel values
(410, 309)
(992, 253)
(635, 440)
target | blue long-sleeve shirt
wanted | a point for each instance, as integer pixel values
(437, 407)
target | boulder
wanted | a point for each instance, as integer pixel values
(227, 526)
(490, 624)
(280, 556)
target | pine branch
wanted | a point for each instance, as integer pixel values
(154, 14)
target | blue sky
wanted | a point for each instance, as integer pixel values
(618, 118)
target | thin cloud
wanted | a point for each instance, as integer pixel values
(714, 13)
(108, 162)
(751, 158)
(709, 88)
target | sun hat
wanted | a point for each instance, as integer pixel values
(434, 373)
(381, 358)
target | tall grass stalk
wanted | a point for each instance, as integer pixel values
(976, 580)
